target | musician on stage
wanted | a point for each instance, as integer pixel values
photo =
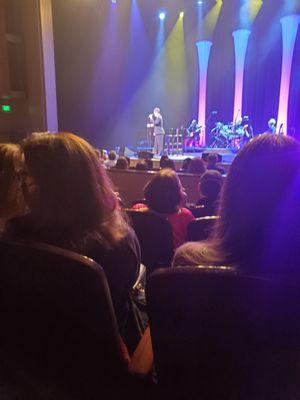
(248, 129)
(272, 123)
(158, 132)
(193, 133)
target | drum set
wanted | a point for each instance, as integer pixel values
(232, 135)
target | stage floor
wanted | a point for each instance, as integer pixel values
(227, 156)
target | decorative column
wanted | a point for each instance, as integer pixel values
(240, 38)
(289, 32)
(203, 57)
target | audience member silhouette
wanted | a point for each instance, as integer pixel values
(72, 205)
(210, 186)
(112, 159)
(212, 161)
(164, 194)
(259, 228)
(122, 163)
(196, 166)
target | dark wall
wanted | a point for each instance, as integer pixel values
(105, 65)
(21, 69)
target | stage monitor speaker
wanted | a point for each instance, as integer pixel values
(205, 156)
(126, 152)
(146, 155)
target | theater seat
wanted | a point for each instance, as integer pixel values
(58, 334)
(197, 211)
(201, 228)
(155, 237)
(220, 335)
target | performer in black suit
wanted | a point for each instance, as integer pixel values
(159, 132)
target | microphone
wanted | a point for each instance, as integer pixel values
(280, 128)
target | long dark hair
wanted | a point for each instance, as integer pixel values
(260, 204)
(74, 193)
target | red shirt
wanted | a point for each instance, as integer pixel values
(179, 223)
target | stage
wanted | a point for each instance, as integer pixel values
(213, 61)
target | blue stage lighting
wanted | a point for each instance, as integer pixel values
(162, 15)
(200, 2)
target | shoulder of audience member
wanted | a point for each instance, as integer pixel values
(186, 212)
(193, 254)
(16, 226)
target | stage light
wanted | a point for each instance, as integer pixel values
(211, 19)
(181, 14)
(248, 12)
(200, 2)
(162, 15)
(176, 70)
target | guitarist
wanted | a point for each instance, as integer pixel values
(192, 134)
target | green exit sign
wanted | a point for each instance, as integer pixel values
(6, 108)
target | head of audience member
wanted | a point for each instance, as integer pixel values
(141, 165)
(149, 163)
(212, 160)
(101, 154)
(260, 206)
(122, 163)
(210, 184)
(164, 193)
(186, 164)
(169, 164)
(162, 161)
(67, 189)
(112, 155)
(196, 166)
(10, 194)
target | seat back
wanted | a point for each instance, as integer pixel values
(58, 328)
(220, 335)
(155, 237)
(201, 228)
(197, 211)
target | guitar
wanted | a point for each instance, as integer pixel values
(193, 133)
